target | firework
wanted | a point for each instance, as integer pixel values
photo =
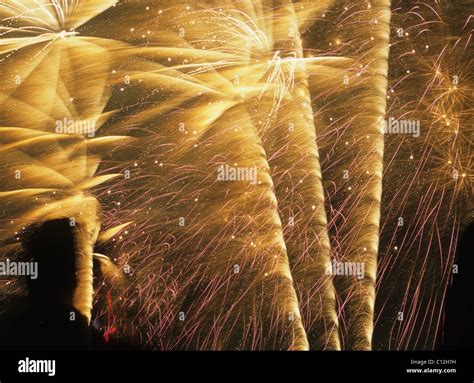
(238, 170)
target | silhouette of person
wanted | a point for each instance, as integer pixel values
(46, 319)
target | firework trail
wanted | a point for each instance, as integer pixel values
(362, 234)
(52, 79)
(218, 292)
(349, 106)
(291, 145)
